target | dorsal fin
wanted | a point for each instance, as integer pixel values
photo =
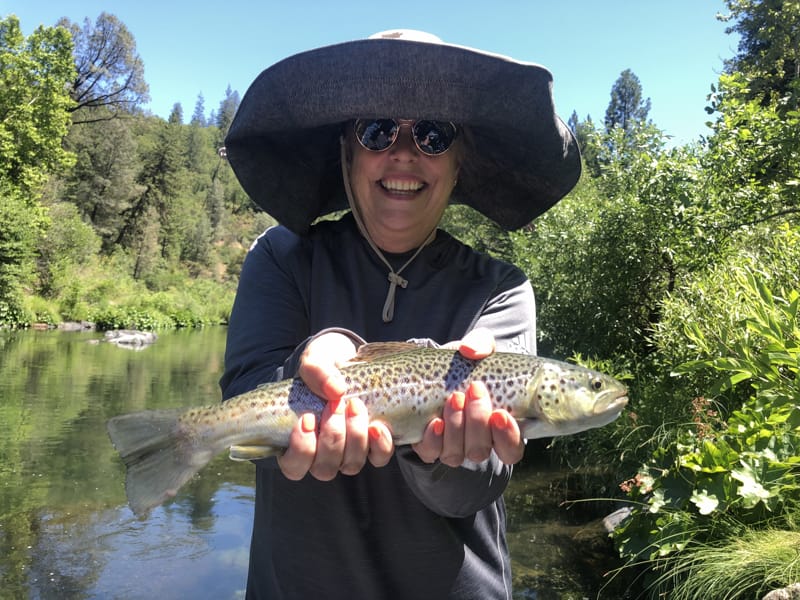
(375, 350)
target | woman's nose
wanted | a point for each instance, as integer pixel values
(404, 145)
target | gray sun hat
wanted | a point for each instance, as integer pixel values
(283, 143)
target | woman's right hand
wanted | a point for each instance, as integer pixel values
(343, 440)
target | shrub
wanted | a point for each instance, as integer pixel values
(736, 470)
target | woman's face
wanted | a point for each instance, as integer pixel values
(401, 192)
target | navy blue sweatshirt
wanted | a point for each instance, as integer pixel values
(409, 530)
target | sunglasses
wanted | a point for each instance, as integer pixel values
(432, 138)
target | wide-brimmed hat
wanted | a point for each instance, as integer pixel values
(283, 143)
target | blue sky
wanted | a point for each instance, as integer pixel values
(675, 47)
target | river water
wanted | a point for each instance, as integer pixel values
(66, 532)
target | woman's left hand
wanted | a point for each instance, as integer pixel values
(469, 428)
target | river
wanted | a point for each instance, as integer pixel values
(66, 532)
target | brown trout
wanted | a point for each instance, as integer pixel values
(402, 385)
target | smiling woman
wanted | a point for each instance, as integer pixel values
(398, 191)
(314, 135)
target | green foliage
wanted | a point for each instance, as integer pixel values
(769, 45)
(109, 72)
(34, 73)
(603, 259)
(753, 158)
(471, 227)
(627, 108)
(728, 472)
(103, 182)
(65, 247)
(739, 568)
(21, 223)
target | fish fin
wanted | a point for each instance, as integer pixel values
(375, 350)
(245, 453)
(159, 458)
(536, 428)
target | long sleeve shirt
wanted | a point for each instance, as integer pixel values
(409, 529)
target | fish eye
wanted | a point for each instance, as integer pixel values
(597, 384)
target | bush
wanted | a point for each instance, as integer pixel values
(733, 468)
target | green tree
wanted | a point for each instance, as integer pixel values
(603, 259)
(227, 110)
(33, 122)
(753, 158)
(110, 74)
(769, 47)
(626, 107)
(33, 103)
(199, 114)
(176, 115)
(103, 182)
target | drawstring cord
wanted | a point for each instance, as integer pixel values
(394, 276)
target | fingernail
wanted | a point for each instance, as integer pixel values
(498, 420)
(334, 387)
(457, 401)
(374, 433)
(438, 427)
(308, 423)
(476, 390)
(337, 406)
(354, 408)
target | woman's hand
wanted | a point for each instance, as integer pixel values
(343, 440)
(469, 427)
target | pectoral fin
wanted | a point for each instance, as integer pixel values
(245, 453)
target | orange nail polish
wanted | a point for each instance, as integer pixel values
(308, 423)
(498, 420)
(438, 427)
(476, 390)
(352, 409)
(374, 433)
(337, 406)
(457, 401)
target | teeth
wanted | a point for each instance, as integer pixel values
(402, 185)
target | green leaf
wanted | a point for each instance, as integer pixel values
(706, 503)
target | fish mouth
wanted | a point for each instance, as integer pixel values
(611, 401)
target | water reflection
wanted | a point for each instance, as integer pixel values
(66, 531)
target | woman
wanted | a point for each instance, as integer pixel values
(394, 127)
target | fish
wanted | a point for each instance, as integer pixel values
(401, 384)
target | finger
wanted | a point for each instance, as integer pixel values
(477, 432)
(453, 437)
(296, 461)
(330, 441)
(357, 439)
(478, 343)
(324, 379)
(506, 437)
(430, 447)
(320, 361)
(381, 445)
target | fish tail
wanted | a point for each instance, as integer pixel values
(158, 454)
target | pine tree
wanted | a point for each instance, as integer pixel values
(199, 114)
(769, 46)
(626, 107)
(110, 74)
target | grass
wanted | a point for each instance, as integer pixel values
(746, 567)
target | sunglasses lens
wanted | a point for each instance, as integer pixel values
(434, 137)
(376, 134)
(431, 137)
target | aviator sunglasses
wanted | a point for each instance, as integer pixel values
(432, 138)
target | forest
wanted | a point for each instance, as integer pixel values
(674, 268)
